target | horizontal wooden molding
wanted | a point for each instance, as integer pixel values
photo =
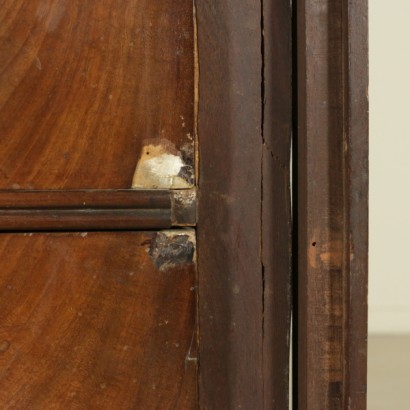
(96, 209)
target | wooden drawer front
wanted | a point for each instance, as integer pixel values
(98, 320)
(90, 88)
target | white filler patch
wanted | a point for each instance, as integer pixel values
(159, 169)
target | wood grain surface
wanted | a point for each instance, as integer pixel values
(96, 209)
(86, 199)
(356, 59)
(276, 203)
(84, 84)
(97, 320)
(244, 225)
(332, 204)
(229, 228)
(79, 219)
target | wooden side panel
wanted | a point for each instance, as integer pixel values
(321, 206)
(97, 320)
(85, 84)
(357, 162)
(229, 228)
(333, 174)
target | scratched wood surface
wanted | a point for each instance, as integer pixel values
(97, 320)
(84, 83)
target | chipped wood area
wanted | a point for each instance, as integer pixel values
(162, 166)
(171, 249)
(108, 321)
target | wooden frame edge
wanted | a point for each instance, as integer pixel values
(276, 202)
(229, 212)
(244, 227)
(332, 202)
(357, 177)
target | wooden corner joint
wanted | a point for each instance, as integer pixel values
(184, 207)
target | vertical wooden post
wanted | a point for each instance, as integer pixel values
(244, 222)
(276, 204)
(332, 203)
(229, 218)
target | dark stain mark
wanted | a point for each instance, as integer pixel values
(4, 346)
(169, 250)
(187, 173)
(188, 157)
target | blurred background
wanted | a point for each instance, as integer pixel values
(389, 274)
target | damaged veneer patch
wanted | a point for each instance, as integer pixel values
(162, 166)
(184, 207)
(171, 249)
